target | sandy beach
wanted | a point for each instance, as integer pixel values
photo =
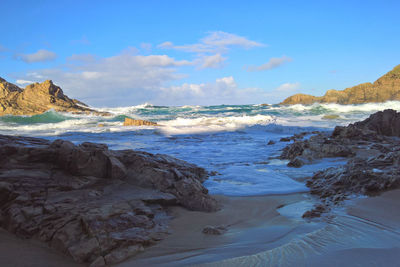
(365, 233)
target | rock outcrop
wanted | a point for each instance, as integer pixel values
(133, 122)
(97, 205)
(384, 89)
(373, 149)
(38, 98)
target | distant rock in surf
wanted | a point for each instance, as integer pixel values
(133, 122)
(384, 89)
(38, 98)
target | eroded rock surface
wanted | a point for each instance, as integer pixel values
(97, 205)
(373, 149)
(38, 98)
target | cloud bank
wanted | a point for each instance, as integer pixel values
(41, 55)
(271, 64)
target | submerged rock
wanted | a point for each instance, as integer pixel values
(133, 122)
(97, 205)
(38, 98)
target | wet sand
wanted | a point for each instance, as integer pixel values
(254, 225)
(17, 252)
(366, 233)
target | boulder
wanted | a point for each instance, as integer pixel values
(133, 122)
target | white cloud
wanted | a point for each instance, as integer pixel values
(41, 55)
(213, 61)
(214, 42)
(222, 91)
(281, 92)
(123, 79)
(146, 46)
(288, 87)
(23, 82)
(271, 64)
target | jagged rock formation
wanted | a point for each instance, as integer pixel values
(373, 146)
(133, 122)
(97, 205)
(384, 89)
(38, 98)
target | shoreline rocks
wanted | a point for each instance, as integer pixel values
(91, 203)
(38, 98)
(373, 149)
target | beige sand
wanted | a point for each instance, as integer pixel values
(254, 226)
(368, 234)
(382, 211)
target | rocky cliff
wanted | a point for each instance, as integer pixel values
(384, 89)
(96, 205)
(36, 99)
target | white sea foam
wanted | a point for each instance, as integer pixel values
(332, 107)
(213, 124)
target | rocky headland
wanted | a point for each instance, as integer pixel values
(97, 205)
(373, 149)
(38, 98)
(384, 89)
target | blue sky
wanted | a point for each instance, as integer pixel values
(121, 53)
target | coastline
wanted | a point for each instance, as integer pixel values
(254, 225)
(257, 230)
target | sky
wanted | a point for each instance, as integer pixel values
(125, 53)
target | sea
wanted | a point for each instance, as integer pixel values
(230, 141)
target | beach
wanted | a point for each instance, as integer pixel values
(257, 235)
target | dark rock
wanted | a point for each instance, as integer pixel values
(285, 139)
(296, 162)
(316, 212)
(214, 230)
(373, 147)
(97, 205)
(271, 142)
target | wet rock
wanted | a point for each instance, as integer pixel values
(132, 122)
(271, 142)
(373, 149)
(296, 162)
(214, 230)
(316, 212)
(96, 205)
(285, 139)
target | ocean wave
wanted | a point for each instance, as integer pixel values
(213, 124)
(50, 116)
(324, 108)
